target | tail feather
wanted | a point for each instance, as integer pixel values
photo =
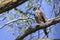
(45, 32)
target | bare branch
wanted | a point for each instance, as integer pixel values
(12, 22)
(11, 5)
(39, 26)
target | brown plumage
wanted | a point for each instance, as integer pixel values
(39, 18)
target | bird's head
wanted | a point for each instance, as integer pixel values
(36, 8)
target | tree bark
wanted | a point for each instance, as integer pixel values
(11, 5)
(39, 26)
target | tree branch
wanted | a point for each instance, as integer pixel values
(13, 21)
(11, 5)
(39, 26)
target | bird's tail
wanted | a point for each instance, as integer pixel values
(45, 32)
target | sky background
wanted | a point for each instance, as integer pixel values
(45, 8)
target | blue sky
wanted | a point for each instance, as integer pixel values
(45, 8)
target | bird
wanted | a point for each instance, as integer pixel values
(39, 18)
